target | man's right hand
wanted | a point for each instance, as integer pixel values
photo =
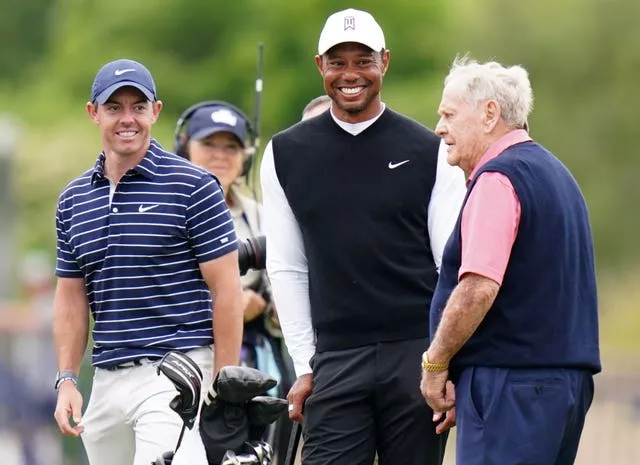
(297, 396)
(69, 405)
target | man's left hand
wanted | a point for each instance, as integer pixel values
(439, 392)
(448, 422)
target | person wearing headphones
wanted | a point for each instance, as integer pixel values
(219, 137)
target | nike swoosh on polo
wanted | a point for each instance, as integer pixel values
(393, 165)
(143, 209)
(120, 72)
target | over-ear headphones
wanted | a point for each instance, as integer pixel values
(180, 138)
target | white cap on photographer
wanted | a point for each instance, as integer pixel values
(351, 26)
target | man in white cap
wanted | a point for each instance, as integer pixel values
(359, 202)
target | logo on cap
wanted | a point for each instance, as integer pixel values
(120, 72)
(224, 116)
(349, 23)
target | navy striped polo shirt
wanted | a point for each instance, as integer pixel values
(139, 254)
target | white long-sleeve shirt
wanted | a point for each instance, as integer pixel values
(286, 259)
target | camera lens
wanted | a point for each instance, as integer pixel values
(252, 254)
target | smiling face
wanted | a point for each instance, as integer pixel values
(125, 121)
(221, 154)
(352, 75)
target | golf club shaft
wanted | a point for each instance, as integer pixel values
(294, 441)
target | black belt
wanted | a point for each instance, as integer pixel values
(129, 364)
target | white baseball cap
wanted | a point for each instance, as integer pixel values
(351, 26)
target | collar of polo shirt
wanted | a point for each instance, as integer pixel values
(147, 166)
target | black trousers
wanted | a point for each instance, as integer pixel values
(367, 400)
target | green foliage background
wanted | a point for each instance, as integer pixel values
(583, 57)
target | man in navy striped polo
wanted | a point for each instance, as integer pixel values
(144, 240)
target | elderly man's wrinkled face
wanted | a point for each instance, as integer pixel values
(461, 126)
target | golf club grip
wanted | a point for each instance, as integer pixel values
(294, 441)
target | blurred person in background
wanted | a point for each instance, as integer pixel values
(35, 351)
(316, 106)
(25, 394)
(359, 202)
(146, 243)
(218, 137)
(515, 314)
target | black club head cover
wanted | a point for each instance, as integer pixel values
(262, 411)
(186, 376)
(237, 385)
(225, 419)
(223, 426)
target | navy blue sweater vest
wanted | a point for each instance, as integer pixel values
(364, 225)
(545, 314)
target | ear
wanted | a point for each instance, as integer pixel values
(183, 149)
(92, 111)
(492, 115)
(319, 64)
(386, 57)
(157, 108)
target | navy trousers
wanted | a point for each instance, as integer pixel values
(520, 416)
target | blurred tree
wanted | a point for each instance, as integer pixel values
(23, 33)
(199, 50)
(583, 59)
(196, 50)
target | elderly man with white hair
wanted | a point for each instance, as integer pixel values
(514, 318)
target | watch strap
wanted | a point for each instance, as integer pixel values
(65, 375)
(428, 366)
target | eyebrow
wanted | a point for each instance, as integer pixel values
(134, 103)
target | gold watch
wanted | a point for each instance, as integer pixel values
(428, 366)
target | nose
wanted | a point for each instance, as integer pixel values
(128, 115)
(216, 153)
(350, 72)
(350, 75)
(440, 128)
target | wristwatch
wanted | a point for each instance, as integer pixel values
(428, 366)
(65, 375)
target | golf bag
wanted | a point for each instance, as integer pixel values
(234, 415)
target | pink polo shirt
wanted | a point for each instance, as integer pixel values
(491, 216)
